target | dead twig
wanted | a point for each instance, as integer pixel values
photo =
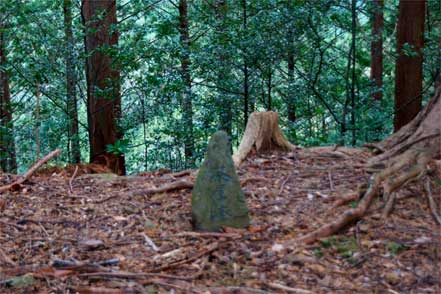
(31, 171)
(6, 258)
(209, 234)
(177, 185)
(72, 179)
(182, 173)
(288, 289)
(208, 250)
(331, 183)
(283, 184)
(149, 242)
(344, 200)
(12, 225)
(128, 275)
(252, 179)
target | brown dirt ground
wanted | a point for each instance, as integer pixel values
(289, 194)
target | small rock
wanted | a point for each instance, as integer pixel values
(21, 281)
(149, 224)
(392, 277)
(91, 244)
(364, 228)
(277, 247)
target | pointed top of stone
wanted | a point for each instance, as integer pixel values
(217, 198)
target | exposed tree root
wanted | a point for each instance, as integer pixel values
(432, 204)
(31, 171)
(262, 133)
(406, 159)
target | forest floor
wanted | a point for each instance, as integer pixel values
(106, 236)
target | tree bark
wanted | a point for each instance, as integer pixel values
(72, 108)
(246, 94)
(263, 134)
(409, 65)
(377, 50)
(405, 159)
(103, 82)
(291, 103)
(187, 106)
(8, 162)
(224, 100)
(354, 77)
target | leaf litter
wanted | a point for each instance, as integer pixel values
(99, 233)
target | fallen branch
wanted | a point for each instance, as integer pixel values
(31, 171)
(18, 227)
(283, 184)
(5, 258)
(235, 290)
(177, 185)
(206, 251)
(128, 275)
(344, 200)
(72, 179)
(288, 289)
(182, 173)
(209, 234)
(252, 179)
(149, 242)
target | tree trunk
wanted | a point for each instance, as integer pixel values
(409, 65)
(377, 50)
(290, 99)
(270, 89)
(224, 100)
(37, 122)
(8, 162)
(103, 82)
(246, 94)
(72, 110)
(405, 157)
(187, 106)
(353, 78)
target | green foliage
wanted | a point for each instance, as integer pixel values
(343, 246)
(394, 248)
(317, 33)
(120, 147)
(353, 204)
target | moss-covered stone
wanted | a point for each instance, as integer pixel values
(217, 198)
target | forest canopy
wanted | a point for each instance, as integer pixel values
(164, 75)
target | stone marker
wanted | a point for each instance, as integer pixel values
(217, 198)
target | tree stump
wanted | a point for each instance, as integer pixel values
(263, 134)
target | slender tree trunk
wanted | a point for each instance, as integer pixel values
(187, 106)
(246, 94)
(72, 110)
(103, 82)
(353, 79)
(226, 115)
(8, 162)
(377, 50)
(409, 65)
(291, 95)
(37, 123)
(270, 89)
